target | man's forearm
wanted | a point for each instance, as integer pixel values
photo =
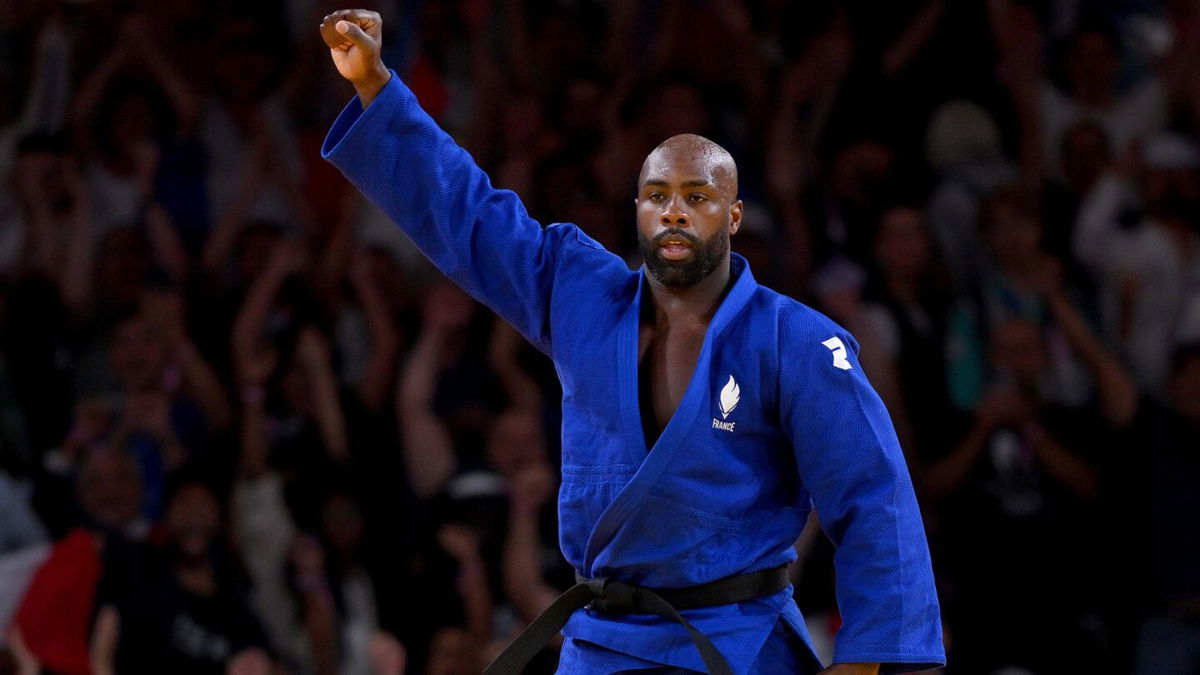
(369, 87)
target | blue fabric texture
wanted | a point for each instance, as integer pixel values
(778, 419)
(783, 652)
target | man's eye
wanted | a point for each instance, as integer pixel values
(657, 196)
(698, 197)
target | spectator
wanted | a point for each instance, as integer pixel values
(243, 112)
(1147, 272)
(1007, 287)
(52, 627)
(1017, 480)
(1092, 68)
(178, 606)
(122, 152)
(908, 305)
(171, 401)
(351, 584)
(1086, 154)
(963, 145)
(1018, 489)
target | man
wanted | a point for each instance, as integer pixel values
(704, 416)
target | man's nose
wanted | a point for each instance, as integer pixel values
(673, 214)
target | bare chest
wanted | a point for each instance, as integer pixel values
(666, 361)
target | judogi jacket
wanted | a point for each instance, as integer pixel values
(778, 418)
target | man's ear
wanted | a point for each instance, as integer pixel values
(735, 216)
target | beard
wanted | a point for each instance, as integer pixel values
(706, 255)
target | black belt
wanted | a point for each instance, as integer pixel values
(616, 597)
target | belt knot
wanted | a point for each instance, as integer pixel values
(613, 596)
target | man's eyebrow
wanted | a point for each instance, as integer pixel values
(695, 182)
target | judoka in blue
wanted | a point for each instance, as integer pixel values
(776, 420)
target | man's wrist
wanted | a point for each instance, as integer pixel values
(369, 86)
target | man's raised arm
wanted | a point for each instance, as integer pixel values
(479, 236)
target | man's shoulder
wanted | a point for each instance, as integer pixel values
(587, 275)
(570, 232)
(574, 246)
(795, 319)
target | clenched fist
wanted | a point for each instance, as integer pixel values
(354, 37)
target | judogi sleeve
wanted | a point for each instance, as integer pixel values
(850, 462)
(480, 237)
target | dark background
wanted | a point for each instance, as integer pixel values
(244, 427)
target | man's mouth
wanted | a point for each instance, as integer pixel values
(674, 247)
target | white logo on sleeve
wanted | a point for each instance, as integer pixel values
(731, 393)
(839, 353)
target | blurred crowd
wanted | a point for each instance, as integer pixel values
(245, 428)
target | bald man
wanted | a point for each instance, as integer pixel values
(704, 416)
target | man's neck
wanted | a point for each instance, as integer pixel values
(699, 301)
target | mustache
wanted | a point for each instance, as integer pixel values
(681, 234)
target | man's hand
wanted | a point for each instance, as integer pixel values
(354, 38)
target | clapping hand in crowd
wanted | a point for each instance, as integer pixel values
(1004, 406)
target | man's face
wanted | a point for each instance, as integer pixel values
(193, 520)
(687, 208)
(901, 245)
(110, 489)
(138, 355)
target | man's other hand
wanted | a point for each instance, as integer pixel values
(354, 38)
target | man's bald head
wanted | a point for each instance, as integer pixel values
(695, 154)
(687, 209)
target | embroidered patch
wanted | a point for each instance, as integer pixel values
(839, 353)
(730, 395)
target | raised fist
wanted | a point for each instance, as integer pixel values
(354, 37)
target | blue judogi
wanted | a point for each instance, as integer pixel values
(778, 418)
